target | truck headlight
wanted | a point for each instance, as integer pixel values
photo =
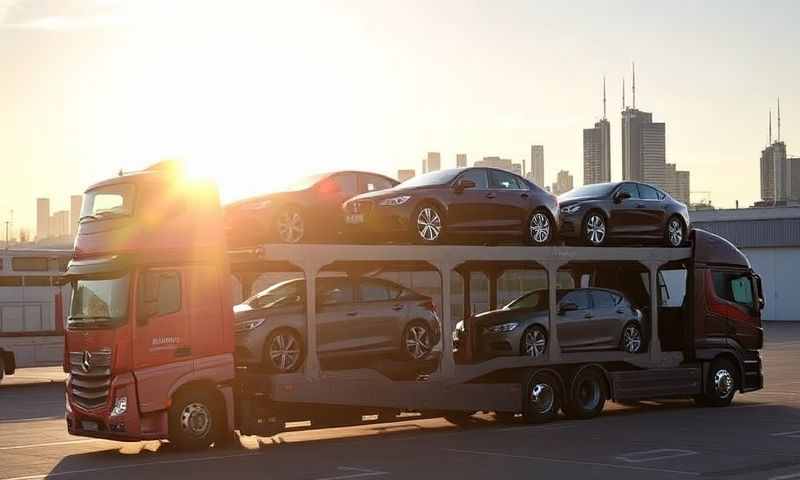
(248, 325)
(571, 209)
(120, 406)
(395, 201)
(502, 328)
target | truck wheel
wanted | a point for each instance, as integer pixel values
(721, 384)
(542, 397)
(195, 421)
(587, 396)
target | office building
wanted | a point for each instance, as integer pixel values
(461, 160)
(563, 183)
(683, 187)
(767, 175)
(42, 218)
(597, 149)
(776, 174)
(643, 144)
(59, 224)
(537, 165)
(501, 163)
(432, 162)
(75, 204)
(794, 178)
(405, 174)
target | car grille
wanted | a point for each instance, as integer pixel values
(360, 206)
(90, 386)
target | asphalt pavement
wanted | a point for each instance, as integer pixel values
(758, 437)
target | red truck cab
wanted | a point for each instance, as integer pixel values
(149, 339)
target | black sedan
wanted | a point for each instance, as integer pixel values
(308, 210)
(456, 204)
(587, 319)
(630, 212)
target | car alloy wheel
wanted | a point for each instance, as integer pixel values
(596, 229)
(429, 224)
(675, 232)
(195, 420)
(539, 228)
(632, 339)
(284, 352)
(291, 227)
(417, 341)
(534, 342)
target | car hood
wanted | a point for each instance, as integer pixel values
(244, 312)
(572, 201)
(495, 317)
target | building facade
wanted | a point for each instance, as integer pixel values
(461, 160)
(42, 218)
(75, 205)
(405, 174)
(501, 163)
(563, 183)
(432, 162)
(776, 174)
(643, 147)
(537, 165)
(794, 178)
(597, 153)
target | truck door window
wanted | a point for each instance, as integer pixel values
(734, 287)
(672, 287)
(162, 288)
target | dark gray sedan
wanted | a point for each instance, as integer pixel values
(362, 316)
(587, 319)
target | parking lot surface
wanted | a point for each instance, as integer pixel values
(758, 437)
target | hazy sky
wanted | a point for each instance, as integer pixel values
(258, 92)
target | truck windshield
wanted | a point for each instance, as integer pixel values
(98, 303)
(108, 202)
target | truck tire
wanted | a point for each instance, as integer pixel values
(541, 397)
(587, 395)
(721, 384)
(195, 420)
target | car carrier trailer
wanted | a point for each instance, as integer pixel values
(154, 369)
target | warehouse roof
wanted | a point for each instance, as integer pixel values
(752, 227)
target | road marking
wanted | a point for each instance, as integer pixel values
(653, 455)
(129, 466)
(573, 462)
(36, 445)
(358, 473)
(794, 434)
(786, 477)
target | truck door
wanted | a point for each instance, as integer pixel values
(162, 331)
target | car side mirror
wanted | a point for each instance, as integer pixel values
(567, 307)
(620, 196)
(463, 184)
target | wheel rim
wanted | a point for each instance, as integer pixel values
(632, 339)
(429, 224)
(542, 398)
(196, 420)
(535, 343)
(596, 229)
(417, 342)
(539, 228)
(723, 383)
(588, 394)
(284, 352)
(291, 227)
(675, 232)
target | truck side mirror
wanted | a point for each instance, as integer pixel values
(759, 292)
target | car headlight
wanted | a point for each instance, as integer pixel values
(120, 406)
(460, 325)
(571, 209)
(248, 325)
(395, 201)
(502, 328)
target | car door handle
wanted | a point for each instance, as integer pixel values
(588, 315)
(640, 206)
(620, 310)
(524, 195)
(397, 308)
(352, 314)
(491, 195)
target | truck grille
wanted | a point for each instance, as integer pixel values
(90, 386)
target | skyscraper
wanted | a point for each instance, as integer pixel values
(597, 149)
(794, 181)
(405, 174)
(432, 162)
(563, 183)
(461, 160)
(643, 144)
(776, 174)
(75, 204)
(683, 187)
(59, 224)
(501, 163)
(42, 218)
(537, 164)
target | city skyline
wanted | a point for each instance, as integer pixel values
(135, 92)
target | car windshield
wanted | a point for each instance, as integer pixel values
(439, 177)
(99, 302)
(535, 299)
(305, 183)
(596, 190)
(109, 201)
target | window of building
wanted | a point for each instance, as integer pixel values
(29, 264)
